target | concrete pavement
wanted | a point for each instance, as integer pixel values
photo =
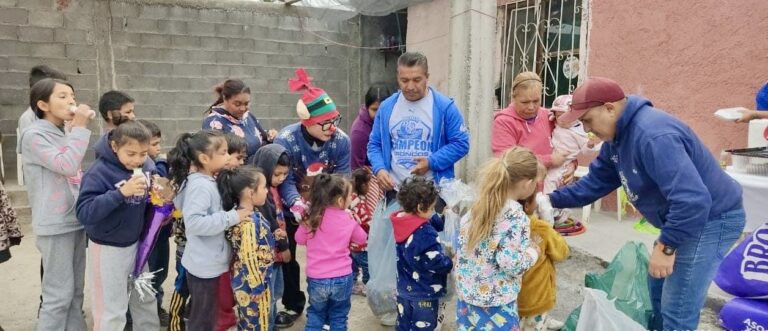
(20, 283)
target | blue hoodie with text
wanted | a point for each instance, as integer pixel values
(668, 173)
(102, 209)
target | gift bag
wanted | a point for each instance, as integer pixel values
(382, 265)
(626, 282)
(744, 314)
(598, 313)
(744, 272)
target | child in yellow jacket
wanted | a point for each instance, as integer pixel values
(538, 292)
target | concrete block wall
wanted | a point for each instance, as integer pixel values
(169, 54)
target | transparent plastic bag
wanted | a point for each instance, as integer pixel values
(455, 193)
(382, 264)
(458, 196)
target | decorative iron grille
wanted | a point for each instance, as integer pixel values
(543, 36)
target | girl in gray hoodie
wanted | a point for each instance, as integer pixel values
(193, 162)
(53, 156)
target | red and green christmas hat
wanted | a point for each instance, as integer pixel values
(315, 106)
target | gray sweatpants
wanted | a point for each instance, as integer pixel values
(109, 269)
(63, 282)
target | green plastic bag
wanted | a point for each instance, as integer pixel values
(626, 280)
(643, 226)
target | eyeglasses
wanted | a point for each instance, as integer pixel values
(326, 126)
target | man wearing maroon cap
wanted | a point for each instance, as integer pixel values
(673, 180)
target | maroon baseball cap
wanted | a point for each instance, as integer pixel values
(595, 91)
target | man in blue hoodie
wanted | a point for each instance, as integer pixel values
(673, 180)
(417, 131)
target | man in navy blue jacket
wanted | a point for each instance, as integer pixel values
(673, 180)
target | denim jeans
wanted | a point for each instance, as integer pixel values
(277, 291)
(329, 301)
(360, 261)
(678, 299)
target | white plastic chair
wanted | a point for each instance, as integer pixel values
(586, 211)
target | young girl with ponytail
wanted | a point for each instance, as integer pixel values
(194, 162)
(494, 245)
(245, 188)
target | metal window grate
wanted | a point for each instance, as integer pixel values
(543, 36)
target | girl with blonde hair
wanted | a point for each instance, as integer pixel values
(494, 246)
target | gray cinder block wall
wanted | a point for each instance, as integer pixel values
(168, 55)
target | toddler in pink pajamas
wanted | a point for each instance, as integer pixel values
(572, 140)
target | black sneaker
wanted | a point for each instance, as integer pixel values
(285, 319)
(165, 319)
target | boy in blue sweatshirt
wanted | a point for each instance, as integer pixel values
(112, 206)
(422, 266)
(673, 180)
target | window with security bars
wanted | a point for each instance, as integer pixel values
(543, 36)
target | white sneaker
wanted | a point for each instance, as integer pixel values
(554, 324)
(327, 327)
(389, 319)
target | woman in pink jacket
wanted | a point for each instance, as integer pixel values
(525, 123)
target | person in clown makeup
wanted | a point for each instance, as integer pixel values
(316, 138)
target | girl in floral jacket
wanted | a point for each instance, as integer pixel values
(494, 246)
(9, 226)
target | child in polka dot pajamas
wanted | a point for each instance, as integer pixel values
(422, 266)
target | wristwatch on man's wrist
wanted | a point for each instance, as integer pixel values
(666, 249)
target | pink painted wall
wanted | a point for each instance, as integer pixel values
(429, 33)
(689, 58)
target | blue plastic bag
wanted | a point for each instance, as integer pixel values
(745, 314)
(744, 271)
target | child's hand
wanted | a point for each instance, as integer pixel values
(162, 187)
(286, 255)
(536, 241)
(280, 234)
(244, 215)
(298, 210)
(558, 158)
(271, 135)
(136, 186)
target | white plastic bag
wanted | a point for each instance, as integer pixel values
(382, 264)
(458, 197)
(600, 314)
(455, 193)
